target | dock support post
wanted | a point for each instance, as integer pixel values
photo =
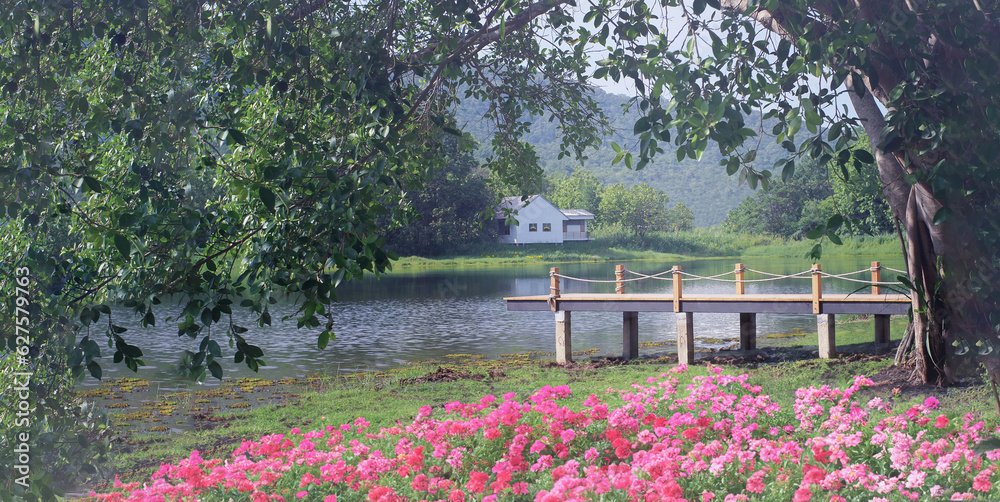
(564, 339)
(685, 337)
(827, 328)
(630, 335)
(882, 328)
(620, 279)
(748, 331)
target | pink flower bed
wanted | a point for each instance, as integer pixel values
(718, 439)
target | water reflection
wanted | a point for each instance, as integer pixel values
(428, 314)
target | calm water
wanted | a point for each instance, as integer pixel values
(428, 314)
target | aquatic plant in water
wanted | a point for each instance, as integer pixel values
(718, 439)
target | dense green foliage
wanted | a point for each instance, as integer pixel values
(225, 154)
(454, 208)
(814, 194)
(639, 208)
(923, 82)
(789, 209)
(580, 190)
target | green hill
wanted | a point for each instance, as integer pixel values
(702, 185)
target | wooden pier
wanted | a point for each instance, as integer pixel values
(824, 306)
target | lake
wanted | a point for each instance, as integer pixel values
(429, 313)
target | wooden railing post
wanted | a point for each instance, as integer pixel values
(553, 287)
(876, 277)
(677, 288)
(620, 279)
(739, 279)
(817, 289)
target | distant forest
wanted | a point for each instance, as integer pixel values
(703, 186)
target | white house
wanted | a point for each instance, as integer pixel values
(539, 221)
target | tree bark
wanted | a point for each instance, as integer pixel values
(941, 302)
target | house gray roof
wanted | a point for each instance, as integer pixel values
(577, 214)
(516, 204)
(513, 204)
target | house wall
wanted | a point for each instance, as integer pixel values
(575, 230)
(538, 213)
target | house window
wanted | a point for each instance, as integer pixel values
(532, 227)
(546, 227)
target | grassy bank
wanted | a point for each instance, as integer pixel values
(392, 398)
(618, 245)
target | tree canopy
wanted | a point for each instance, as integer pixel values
(922, 80)
(230, 153)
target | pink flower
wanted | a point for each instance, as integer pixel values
(931, 403)
(567, 435)
(706, 496)
(802, 495)
(477, 481)
(982, 481)
(330, 498)
(303, 493)
(941, 422)
(456, 496)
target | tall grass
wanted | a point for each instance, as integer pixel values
(877, 246)
(616, 243)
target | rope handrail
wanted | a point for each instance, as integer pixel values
(897, 270)
(688, 277)
(552, 274)
(773, 275)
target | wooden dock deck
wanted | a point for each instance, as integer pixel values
(824, 306)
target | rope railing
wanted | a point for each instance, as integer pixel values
(678, 276)
(805, 274)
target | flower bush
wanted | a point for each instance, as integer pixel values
(718, 439)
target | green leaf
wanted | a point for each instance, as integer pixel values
(123, 245)
(236, 136)
(92, 184)
(641, 126)
(864, 156)
(835, 222)
(95, 369)
(788, 171)
(267, 197)
(942, 215)
(815, 233)
(816, 252)
(216, 369)
(324, 339)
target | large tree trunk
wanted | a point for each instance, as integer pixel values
(909, 205)
(946, 262)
